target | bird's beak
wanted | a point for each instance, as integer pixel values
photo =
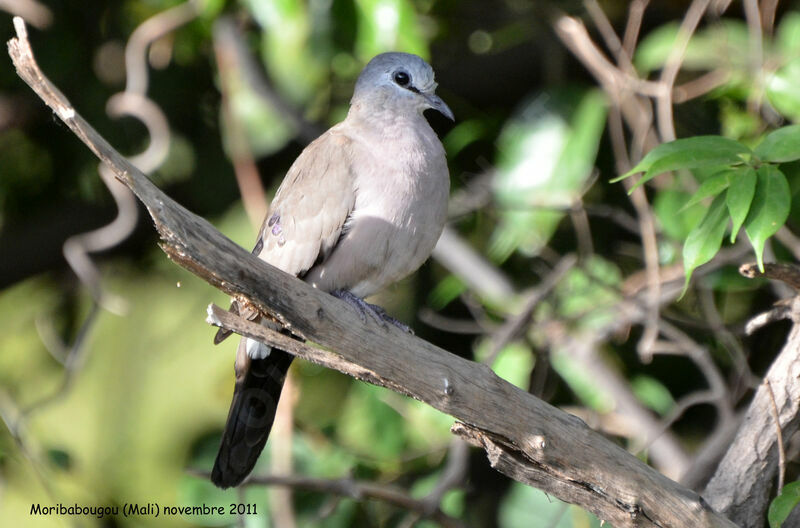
(437, 104)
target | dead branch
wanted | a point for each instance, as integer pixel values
(787, 273)
(744, 479)
(525, 437)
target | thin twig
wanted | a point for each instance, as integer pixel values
(672, 66)
(746, 378)
(247, 178)
(462, 260)
(768, 9)
(635, 15)
(145, 34)
(36, 13)
(454, 473)
(784, 272)
(515, 326)
(756, 43)
(701, 357)
(354, 489)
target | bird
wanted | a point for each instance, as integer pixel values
(360, 208)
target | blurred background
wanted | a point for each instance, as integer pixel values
(111, 391)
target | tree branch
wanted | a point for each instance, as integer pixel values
(526, 438)
(744, 479)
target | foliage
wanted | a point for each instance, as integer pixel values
(747, 187)
(783, 504)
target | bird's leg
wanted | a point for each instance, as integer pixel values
(364, 308)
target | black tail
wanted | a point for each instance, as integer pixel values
(255, 400)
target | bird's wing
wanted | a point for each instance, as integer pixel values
(308, 214)
(311, 207)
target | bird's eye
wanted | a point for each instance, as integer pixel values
(402, 78)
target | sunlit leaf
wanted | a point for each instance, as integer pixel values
(781, 145)
(711, 187)
(782, 92)
(688, 153)
(740, 196)
(787, 36)
(267, 129)
(445, 292)
(726, 42)
(513, 363)
(527, 507)
(288, 41)
(588, 294)
(770, 209)
(705, 240)
(463, 134)
(783, 504)
(547, 152)
(388, 25)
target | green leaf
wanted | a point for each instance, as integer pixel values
(652, 393)
(788, 34)
(546, 155)
(711, 187)
(388, 25)
(705, 240)
(688, 153)
(725, 42)
(740, 196)
(514, 364)
(781, 89)
(526, 507)
(770, 209)
(780, 145)
(675, 220)
(783, 504)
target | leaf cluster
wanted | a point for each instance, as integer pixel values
(746, 188)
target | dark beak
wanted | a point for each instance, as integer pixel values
(437, 104)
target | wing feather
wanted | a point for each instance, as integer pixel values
(311, 206)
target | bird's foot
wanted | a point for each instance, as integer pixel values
(364, 308)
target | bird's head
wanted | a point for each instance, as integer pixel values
(401, 80)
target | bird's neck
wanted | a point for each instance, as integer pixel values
(386, 122)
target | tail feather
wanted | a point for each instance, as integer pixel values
(255, 401)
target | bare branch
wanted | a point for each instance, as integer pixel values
(33, 11)
(742, 483)
(787, 273)
(514, 326)
(456, 255)
(694, 14)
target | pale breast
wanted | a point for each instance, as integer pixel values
(400, 208)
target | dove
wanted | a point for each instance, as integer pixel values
(361, 208)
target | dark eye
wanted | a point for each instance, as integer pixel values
(401, 78)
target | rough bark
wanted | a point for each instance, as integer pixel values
(744, 479)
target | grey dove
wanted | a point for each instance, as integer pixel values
(361, 207)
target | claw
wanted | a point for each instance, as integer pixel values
(364, 308)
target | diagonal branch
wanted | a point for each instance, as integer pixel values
(536, 443)
(744, 478)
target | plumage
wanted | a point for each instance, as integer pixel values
(361, 207)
